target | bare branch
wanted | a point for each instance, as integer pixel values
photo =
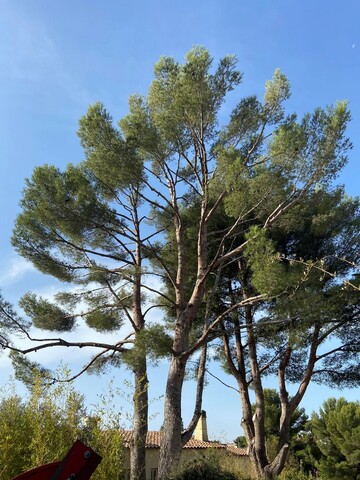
(64, 343)
(200, 341)
(83, 370)
(219, 380)
(319, 266)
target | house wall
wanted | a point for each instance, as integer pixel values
(233, 463)
(151, 459)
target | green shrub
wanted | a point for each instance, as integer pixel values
(296, 473)
(41, 428)
(203, 470)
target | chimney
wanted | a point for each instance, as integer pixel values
(201, 432)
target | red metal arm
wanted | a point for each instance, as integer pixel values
(79, 464)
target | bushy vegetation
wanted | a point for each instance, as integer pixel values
(336, 431)
(329, 447)
(205, 470)
(296, 473)
(41, 428)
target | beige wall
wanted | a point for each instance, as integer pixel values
(234, 463)
(152, 460)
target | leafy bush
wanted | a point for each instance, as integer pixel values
(203, 470)
(293, 473)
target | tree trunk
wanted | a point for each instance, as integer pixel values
(137, 447)
(140, 399)
(171, 444)
(276, 466)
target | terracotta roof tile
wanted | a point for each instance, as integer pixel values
(236, 450)
(192, 443)
(153, 440)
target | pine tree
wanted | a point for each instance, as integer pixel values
(336, 431)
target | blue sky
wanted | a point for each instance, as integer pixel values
(56, 58)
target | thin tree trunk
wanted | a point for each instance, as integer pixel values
(258, 442)
(137, 448)
(140, 398)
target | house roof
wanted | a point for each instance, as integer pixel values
(236, 450)
(153, 440)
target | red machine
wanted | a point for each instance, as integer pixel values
(79, 464)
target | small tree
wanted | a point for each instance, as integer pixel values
(336, 431)
(13, 449)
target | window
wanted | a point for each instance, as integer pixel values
(153, 474)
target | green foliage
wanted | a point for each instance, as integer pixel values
(50, 422)
(154, 341)
(27, 371)
(72, 219)
(273, 413)
(46, 315)
(269, 274)
(277, 90)
(323, 223)
(336, 431)
(240, 441)
(305, 450)
(13, 424)
(316, 145)
(272, 423)
(63, 218)
(104, 321)
(232, 213)
(108, 156)
(204, 470)
(10, 322)
(213, 463)
(54, 424)
(185, 98)
(307, 248)
(296, 473)
(42, 428)
(101, 430)
(258, 176)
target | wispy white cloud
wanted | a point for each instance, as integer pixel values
(14, 269)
